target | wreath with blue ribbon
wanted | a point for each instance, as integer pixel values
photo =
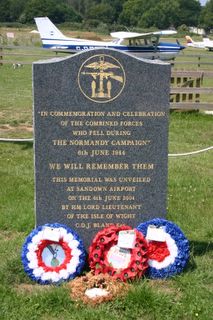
(167, 258)
(53, 253)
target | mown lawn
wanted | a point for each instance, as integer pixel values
(190, 205)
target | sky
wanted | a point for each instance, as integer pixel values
(203, 2)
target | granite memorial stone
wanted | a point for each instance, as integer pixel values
(101, 140)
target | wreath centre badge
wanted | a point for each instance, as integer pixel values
(101, 78)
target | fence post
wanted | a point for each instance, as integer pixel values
(1, 57)
(198, 61)
(1, 48)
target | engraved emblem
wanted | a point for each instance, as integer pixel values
(101, 78)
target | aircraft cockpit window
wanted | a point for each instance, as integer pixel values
(140, 42)
(147, 41)
(136, 42)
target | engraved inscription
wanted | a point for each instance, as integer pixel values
(111, 196)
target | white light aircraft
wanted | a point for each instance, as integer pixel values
(205, 44)
(145, 45)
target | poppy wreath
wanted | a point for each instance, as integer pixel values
(167, 258)
(105, 257)
(72, 259)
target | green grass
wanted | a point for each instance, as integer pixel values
(191, 55)
(190, 205)
(16, 91)
(16, 101)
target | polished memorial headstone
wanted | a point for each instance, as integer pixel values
(101, 140)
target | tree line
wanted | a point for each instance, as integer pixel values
(160, 14)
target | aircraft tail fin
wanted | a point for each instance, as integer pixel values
(47, 29)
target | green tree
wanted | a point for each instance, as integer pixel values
(79, 5)
(117, 6)
(16, 9)
(163, 15)
(84, 7)
(160, 13)
(102, 12)
(189, 12)
(4, 10)
(206, 17)
(10, 10)
(57, 12)
(133, 11)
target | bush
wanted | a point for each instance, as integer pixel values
(12, 25)
(183, 29)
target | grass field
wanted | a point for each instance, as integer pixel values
(190, 205)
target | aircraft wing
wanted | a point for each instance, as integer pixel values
(136, 35)
(209, 47)
(208, 43)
